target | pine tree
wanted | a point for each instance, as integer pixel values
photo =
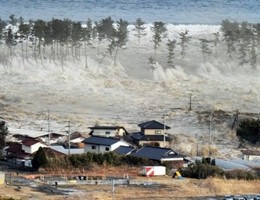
(231, 32)
(3, 133)
(171, 45)
(120, 37)
(13, 20)
(159, 29)
(2, 26)
(39, 160)
(184, 40)
(139, 28)
(205, 49)
(216, 42)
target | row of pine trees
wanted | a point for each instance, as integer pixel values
(61, 40)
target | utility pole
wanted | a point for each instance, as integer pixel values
(49, 131)
(190, 102)
(69, 135)
(197, 145)
(164, 129)
(210, 137)
(210, 119)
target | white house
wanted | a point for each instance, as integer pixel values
(251, 154)
(98, 144)
(108, 131)
(30, 145)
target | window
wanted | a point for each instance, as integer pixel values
(107, 132)
(107, 148)
(93, 147)
(157, 132)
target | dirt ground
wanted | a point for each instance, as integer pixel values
(167, 189)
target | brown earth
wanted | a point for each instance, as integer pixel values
(166, 188)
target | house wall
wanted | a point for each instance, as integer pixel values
(33, 148)
(161, 143)
(153, 131)
(251, 157)
(103, 148)
(104, 132)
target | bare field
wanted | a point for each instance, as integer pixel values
(167, 189)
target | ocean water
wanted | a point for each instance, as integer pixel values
(168, 11)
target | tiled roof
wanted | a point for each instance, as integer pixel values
(123, 150)
(101, 140)
(153, 125)
(155, 153)
(29, 141)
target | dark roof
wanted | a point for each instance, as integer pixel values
(153, 125)
(15, 147)
(155, 153)
(29, 141)
(101, 140)
(15, 151)
(123, 150)
(52, 153)
(251, 152)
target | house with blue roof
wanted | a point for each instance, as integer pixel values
(97, 144)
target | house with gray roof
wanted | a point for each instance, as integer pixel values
(159, 154)
(99, 144)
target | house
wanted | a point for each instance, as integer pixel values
(15, 155)
(152, 133)
(160, 155)
(150, 140)
(30, 145)
(108, 131)
(98, 144)
(251, 154)
(22, 153)
(153, 128)
(44, 136)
